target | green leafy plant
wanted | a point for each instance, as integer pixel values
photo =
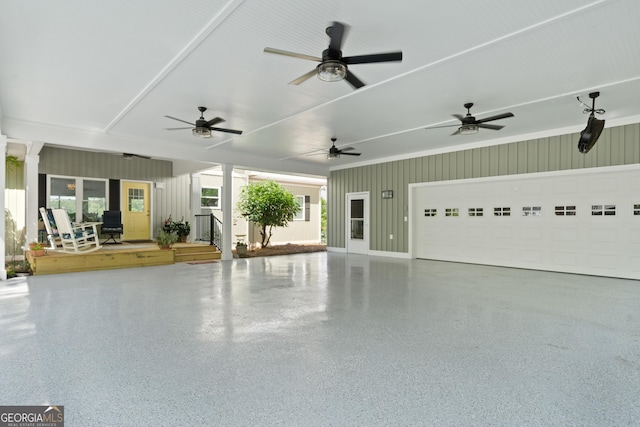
(267, 204)
(181, 228)
(36, 246)
(166, 238)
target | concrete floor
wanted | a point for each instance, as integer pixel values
(324, 339)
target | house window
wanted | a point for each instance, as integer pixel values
(636, 209)
(210, 197)
(565, 210)
(451, 212)
(430, 212)
(599, 210)
(532, 211)
(135, 200)
(79, 195)
(476, 212)
(502, 211)
(299, 216)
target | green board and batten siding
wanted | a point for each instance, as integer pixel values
(616, 146)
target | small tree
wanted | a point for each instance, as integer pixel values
(267, 204)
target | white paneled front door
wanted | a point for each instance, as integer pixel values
(585, 221)
(357, 226)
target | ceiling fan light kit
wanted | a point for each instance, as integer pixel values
(332, 71)
(468, 129)
(201, 131)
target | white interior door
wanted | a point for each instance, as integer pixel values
(357, 223)
(585, 221)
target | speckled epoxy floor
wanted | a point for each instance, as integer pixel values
(323, 339)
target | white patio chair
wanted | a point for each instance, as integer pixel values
(76, 238)
(52, 230)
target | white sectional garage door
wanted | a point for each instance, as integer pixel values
(585, 221)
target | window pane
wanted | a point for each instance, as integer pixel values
(94, 200)
(300, 214)
(357, 208)
(63, 195)
(136, 200)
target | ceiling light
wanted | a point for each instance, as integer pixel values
(468, 129)
(332, 156)
(332, 71)
(202, 131)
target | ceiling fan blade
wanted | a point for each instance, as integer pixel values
(336, 32)
(377, 57)
(178, 128)
(458, 116)
(349, 154)
(492, 127)
(303, 77)
(492, 118)
(238, 132)
(353, 80)
(457, 132)
(346, 149)
(292, 54)
(215, 121)
(180, 120)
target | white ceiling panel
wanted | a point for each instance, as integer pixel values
(103, 75)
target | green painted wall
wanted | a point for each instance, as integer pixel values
(616, 146)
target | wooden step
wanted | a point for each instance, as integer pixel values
(197, 256)
(56, 262)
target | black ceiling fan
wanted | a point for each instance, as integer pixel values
(470, 125)
(335, 152)
(333, 66)
(203, 127)
(129, 156)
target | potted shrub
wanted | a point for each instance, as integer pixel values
(166, 239)
(241, 248)
(36, 248)
(181, 229)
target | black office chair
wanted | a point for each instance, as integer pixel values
(112, 225)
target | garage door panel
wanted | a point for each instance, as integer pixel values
(541, 221)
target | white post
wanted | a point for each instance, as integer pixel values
(3, 184)
(196, 193)
(227, 211)
(31, 200)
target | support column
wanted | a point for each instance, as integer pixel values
(31, 196)
(3, 184)
(227, 211)
(196, 193)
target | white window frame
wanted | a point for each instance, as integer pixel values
(79, 182)
(219, 204)
(299, 216)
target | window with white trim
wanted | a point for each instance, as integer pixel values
(430, 212)
(451, 212)
(502, 211)
(636, 209)
(299, 216)
(599, 210)
(532, 211)
(210, 197)
(476, 212)
(565, 210)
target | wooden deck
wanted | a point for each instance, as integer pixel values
(120, 256)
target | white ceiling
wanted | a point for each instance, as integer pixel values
(102, 75)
